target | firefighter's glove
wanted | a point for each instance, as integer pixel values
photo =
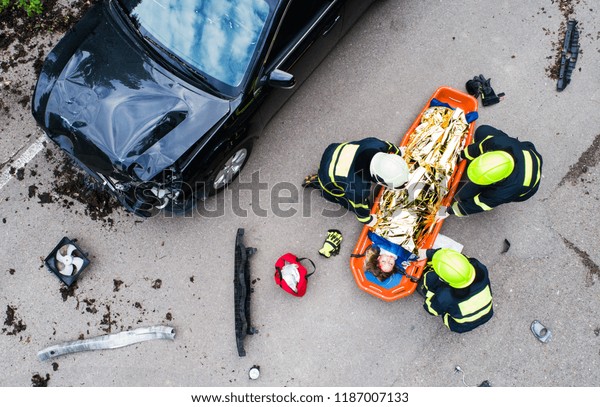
(474, 86)
(332, 244)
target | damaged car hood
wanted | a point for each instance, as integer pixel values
(116, 107)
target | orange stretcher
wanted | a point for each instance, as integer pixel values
(414, 271)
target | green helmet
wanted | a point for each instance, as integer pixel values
(490, 167)
(453, 268)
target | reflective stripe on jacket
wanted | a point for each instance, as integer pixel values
(344, 173)
(521, 185)
(461, 309)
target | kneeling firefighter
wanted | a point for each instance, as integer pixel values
(347, 170)
(500, 169)
(457, 288)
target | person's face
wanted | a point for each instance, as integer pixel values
(386, 263)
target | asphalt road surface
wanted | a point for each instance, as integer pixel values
(178, 272)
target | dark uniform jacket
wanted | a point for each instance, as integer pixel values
(519, 186)
(461, 309)
(344, 174)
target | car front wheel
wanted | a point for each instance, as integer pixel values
(230, 169)
(222, 174)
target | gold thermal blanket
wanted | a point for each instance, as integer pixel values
(406, 216)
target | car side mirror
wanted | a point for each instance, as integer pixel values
(281, 79)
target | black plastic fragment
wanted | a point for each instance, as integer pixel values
(505, 247)
(569, 53)
(485, 383)
(242, 290)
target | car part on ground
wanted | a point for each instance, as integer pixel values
(67, 261)
(110, 341)
(542, 333)
(505, 246)
(569, 54)
(254, 372)
(242, 290)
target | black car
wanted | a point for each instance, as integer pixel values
(161, 100)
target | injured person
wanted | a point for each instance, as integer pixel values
(386, 262)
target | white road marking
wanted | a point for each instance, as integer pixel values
(20, 162)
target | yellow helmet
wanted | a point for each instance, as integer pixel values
(490, 167)
(453, 268)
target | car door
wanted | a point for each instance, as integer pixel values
(307, 32)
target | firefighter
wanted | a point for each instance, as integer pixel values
(500, 169)
(456, 288)
(347, 170)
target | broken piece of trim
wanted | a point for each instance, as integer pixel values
(242, 291)
(110, 341)
(542, 333)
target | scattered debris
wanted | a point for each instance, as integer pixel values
(542, 333)
(68, 291)
(39, 381)
(254, 372)
(74, 184)
(241, 285)
(107, 320)
(569, 53)
(91, 307)
(505, 247)
(17, 325)
(117, 285)
(156, 284)
(111, 341)
(485, 383)
(67, 261)
(589, 158)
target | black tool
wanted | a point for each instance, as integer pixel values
(569, 54)
(480, 86)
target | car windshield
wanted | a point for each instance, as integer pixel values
(216, 37)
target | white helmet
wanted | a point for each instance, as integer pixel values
(389, 169)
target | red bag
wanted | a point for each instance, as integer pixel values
(291, 275)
